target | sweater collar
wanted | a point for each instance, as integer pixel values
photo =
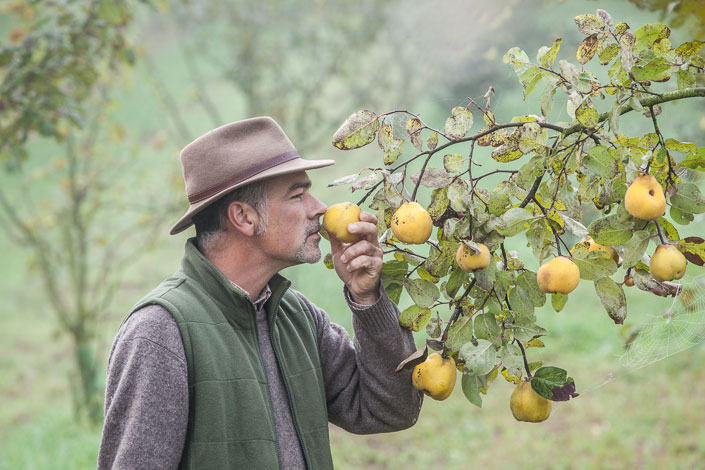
(199, 268)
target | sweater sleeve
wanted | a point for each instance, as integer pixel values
(146, 396)
(363, 392)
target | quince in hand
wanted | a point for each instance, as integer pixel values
(337, 218)
(470, 261)
(645, 199)
(527, 405)
(411, 223)
(435, 376)
(560, 275)
(667, 263)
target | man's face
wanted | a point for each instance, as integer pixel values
(293, 221)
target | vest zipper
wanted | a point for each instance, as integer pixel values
(286, 386)
(269, 394)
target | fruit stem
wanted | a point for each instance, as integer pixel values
(523, 355)
(660, 235)
(423, 169)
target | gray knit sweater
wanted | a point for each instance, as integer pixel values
(146, 398)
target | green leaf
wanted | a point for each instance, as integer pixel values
(589, 24)
(471, 388)
(587, 115)
(459, 123)
(547, 99)
(600, 161)
(344, 180)
(357, 131)
(648, 34)
(480, 358)
(506, 153)
(413, 128)
(424, 293)
(687, 49)
(688, 198)
(546, 56)
(610, 230)
(432, 140)
(517, 58)
(529, 285)
(433, 178)
(529, 79)
(669, 228)
(485, 326)
(626, 47)
(575, 227)
(453, 162)
(658, 70)
(681, 217)
(526, 329)
(682, 147)
(455, 281)
(695, 161)
(587, 49)
(558, 301)
(553, 384)
(439, 203)
(459, 334)
(612, 298)
(686, 79)
(414, 318)
(512, 359)
(521, 304)
(514, 221)
(608, 53)
(693, 249)
(635, 248)
(392, 147)
(596, 266)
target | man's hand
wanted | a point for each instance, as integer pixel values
(359, 264)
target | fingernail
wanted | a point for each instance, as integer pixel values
(343, 259)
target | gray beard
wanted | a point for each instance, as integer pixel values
(309, 252)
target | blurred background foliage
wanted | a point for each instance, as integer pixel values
(97, 97)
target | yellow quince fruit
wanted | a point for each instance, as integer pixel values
(527, 405)
(560, 275)
(667, 263)
(336, 220)
(411, 223)
(435, 376)
(645, 199)
(470, 261)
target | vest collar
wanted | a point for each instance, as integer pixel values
(199, 268)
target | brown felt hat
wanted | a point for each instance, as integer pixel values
(234, 155)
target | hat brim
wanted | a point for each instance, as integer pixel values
(292, 166)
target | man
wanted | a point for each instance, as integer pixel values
(222, 365)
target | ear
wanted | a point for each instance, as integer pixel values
(243, 218)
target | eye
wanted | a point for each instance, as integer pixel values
(298, 196)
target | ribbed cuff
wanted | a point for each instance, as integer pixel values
(382, 314)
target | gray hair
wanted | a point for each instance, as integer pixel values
(211, 222)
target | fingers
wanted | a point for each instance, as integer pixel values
(361, 248)
(371, 264)
(366, 228)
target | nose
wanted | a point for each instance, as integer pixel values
(318, 208)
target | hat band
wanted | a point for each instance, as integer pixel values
(240, 177)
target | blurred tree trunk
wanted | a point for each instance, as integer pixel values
(82, 238)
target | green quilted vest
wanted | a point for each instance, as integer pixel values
(231, 424)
